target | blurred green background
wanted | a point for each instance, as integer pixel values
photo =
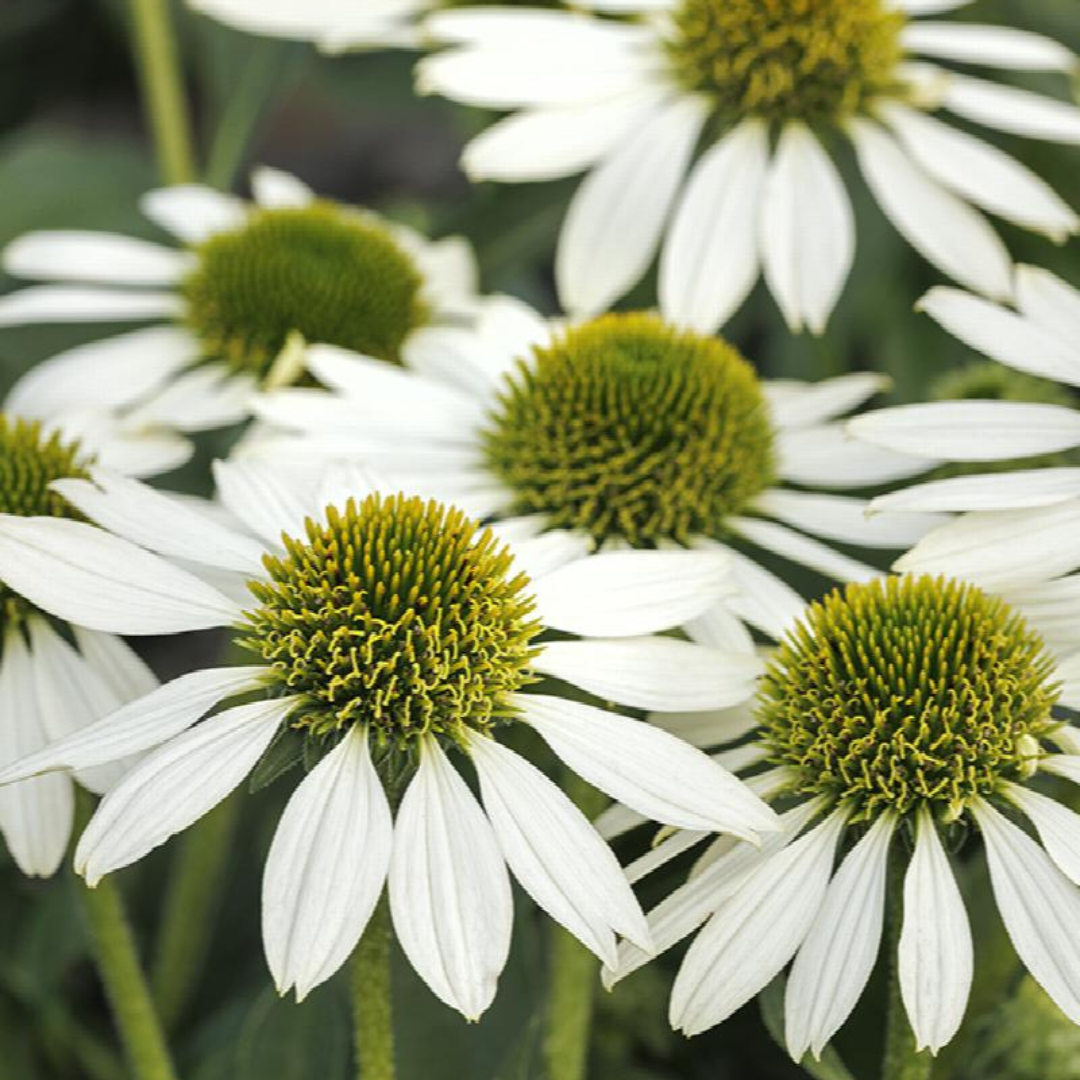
(73, 153)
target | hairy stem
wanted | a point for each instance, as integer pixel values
(373, 1011)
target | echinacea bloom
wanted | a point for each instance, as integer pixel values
(622, 431)
(896, 711)
(388, 635)
(763, 89)
(55, 677)
(249, 283)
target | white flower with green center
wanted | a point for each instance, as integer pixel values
(621, 431)
(249, 284)
(56, 676)
(763, 90)
(387, 637)
(898, 717)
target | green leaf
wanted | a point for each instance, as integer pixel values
(771, 1001)
(285, 752)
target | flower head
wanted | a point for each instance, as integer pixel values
(389, 634)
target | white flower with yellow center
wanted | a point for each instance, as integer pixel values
(56, 676)
(387, 637)
(764, 89)
(248, 285)
(908, 710)
(621, 432)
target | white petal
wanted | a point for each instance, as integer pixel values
(755, 931)
(845, 520)
(449, 889)
(208, 397)
(971, 430)
(719, 627)
(544, 554)
(326, 867)
(928, 7)
(835, 961)
(553, 851)
(1058, 828)
(1039, 906)
(142, 454)
(764, 600)
(178, 783)
(646, 768)
(807, 230)
(802, 549)
(73, 303)
(627, 593)
(936, 953)
(1003, 549)
(103, 374)
(615, 219)
(193, 212)
(97, 258)
(981, 173)
(277, 189)
(946, 231)
(259, 497)
(828, 456)
(797, 404)
(83, 574)
(1048, 301)
(709, 261)
(988, 46)
(1005, 336)
(116, 662)
(652, 672)
(140, 725)
(1008, 108)
(35, 815)
(710, 728)
(513, 26)
(1019, 490)
(152, 520)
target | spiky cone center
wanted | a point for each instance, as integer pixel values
(628, 428)
(331, 275)
(818, 61)
(908, 691)
(30, 460)
(398, 614)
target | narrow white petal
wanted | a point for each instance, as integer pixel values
(1019, 490)
(1039, 906)
(709, 261)
(807, 230)
(615, 219)
(755, 931)
(719, 627)
(449, 889)
(710, 728)
(1002, 550)
(116, 662)
(970, 430)
(1058, 828)
(74, 303)
(557, 856)
(193, 212)
(835, 961)
(646, 768)
(542, 555)
(1048, 301)
(153, 520)
(989, 46)
(105, 374)
(506, 25)
(96, 258)
(140, 725)
(764, 600)
(627, 593)
(652, 672)
(828, 456)
(210, 396)
(257, 495)
(326, 867)
(936, 953)
(942, 228)
(802, 549)
(141, 454)
(929, 7)
(85, 575)
(799, 404)
(276, 189)
(1008, 108)
(178, 783)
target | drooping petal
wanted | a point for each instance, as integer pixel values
(1048, 301)
(1058, 828)
(326, 868)
(557, 856)
(1021, 490)
(96, 258)
(449, 890)
(82, 303)
(1010, 109)
(802, 549)
(989, 46)
(646, 768)
(117, 663)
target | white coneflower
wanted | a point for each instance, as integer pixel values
(248, 285)
(622, 431)
(913, 705)
(389, 636)
(55, 677)
(764, 88)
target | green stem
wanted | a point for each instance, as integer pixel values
(373, 1010)
(193, 896)
(163, 90)
(901, 1061)
(113, 946)
(574, 975)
